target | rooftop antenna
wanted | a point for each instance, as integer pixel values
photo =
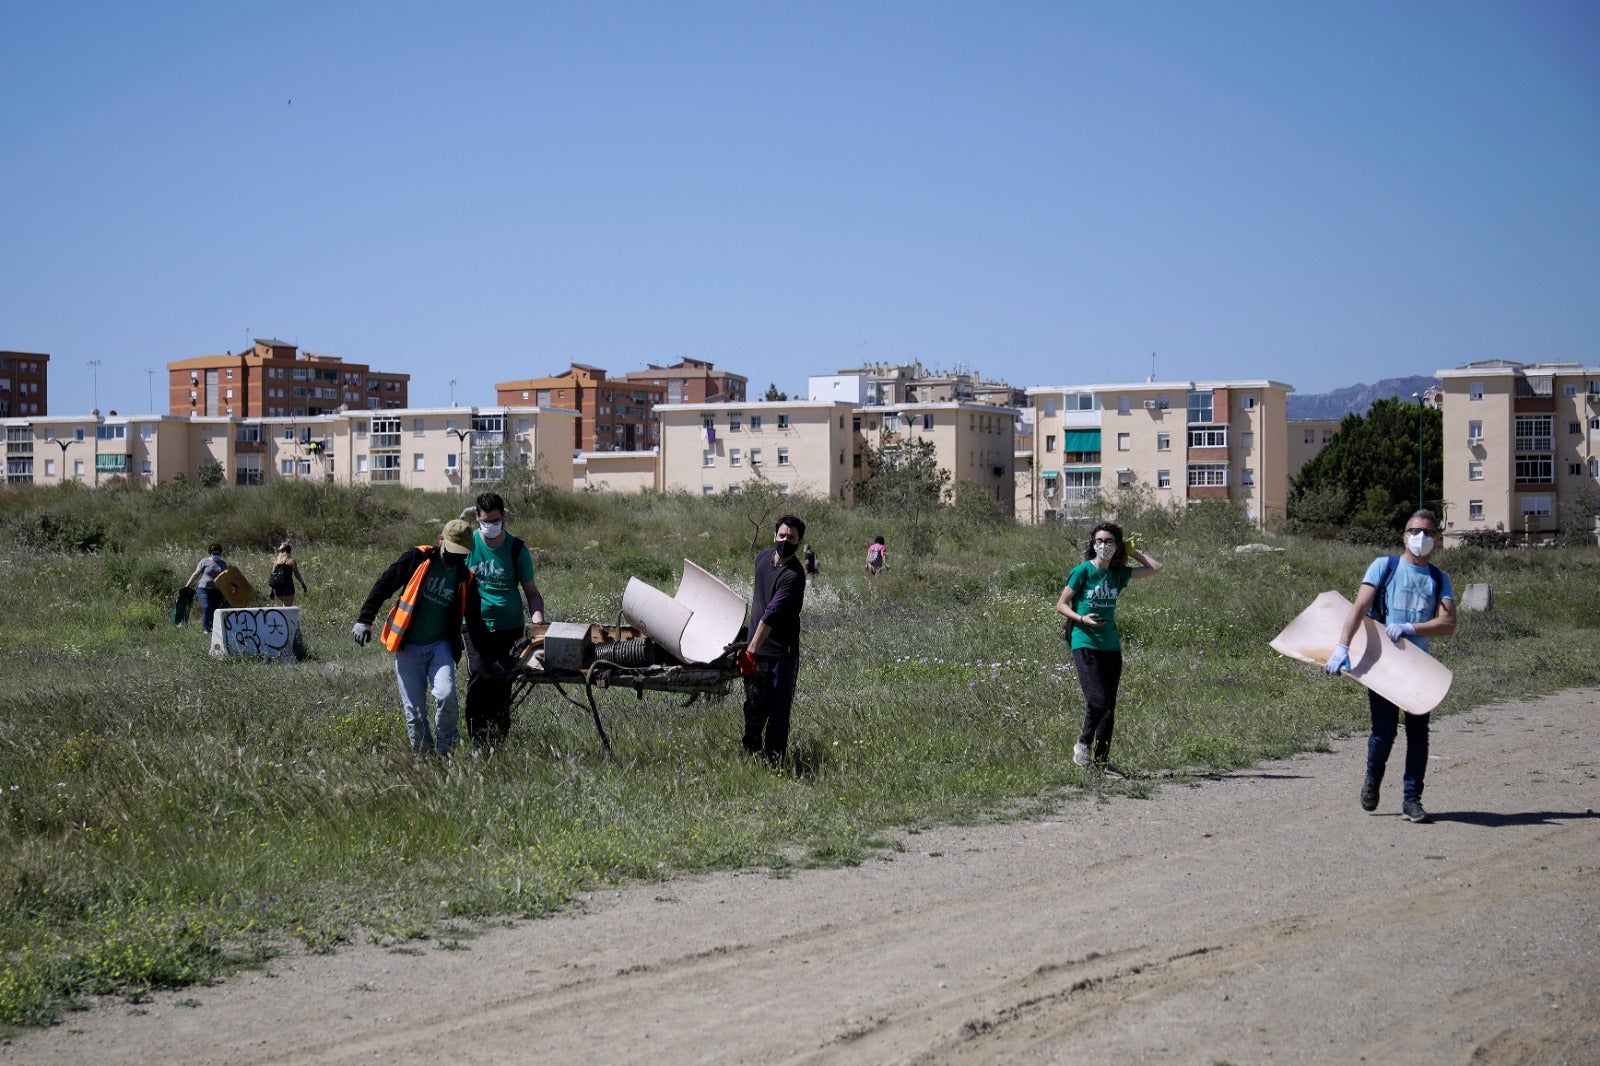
(1152, 367)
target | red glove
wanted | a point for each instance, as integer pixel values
(747, 663)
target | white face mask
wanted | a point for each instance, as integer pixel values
(1419, 544)
(1105, 551)
(490, 530)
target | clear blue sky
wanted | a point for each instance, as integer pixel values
(1048, 192)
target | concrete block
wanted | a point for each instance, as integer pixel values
(1475, 598)
(268, 632)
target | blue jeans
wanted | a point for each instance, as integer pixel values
(423, 668)
(210, 599)
(1385, 726)
(767, 699)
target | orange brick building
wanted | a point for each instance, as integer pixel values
(613, 415)
(693, 381)
(274, 379)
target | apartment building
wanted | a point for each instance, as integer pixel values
(276, 379)
(803, 447)
(1186, 441)
(975, 442)
(614, 415)
(1307, 437)
(693, 381)
(889, 384)
(24, 384)
(1521, 446)
(430, 449)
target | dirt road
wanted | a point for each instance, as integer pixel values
(1261, 917)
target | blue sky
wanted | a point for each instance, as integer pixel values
(1048, 193)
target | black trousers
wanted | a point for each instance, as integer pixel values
(768, 697)
(1099, 674)
(489, 695)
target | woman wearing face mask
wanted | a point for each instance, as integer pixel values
(1089, 603)
(204, 582)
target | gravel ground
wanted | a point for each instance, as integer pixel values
(1258, 917)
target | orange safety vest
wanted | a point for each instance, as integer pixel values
(398, 619)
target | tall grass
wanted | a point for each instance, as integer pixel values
(166, 815)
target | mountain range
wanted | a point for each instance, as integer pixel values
(1355, 399)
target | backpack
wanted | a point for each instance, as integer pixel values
(281, 575)
(1379, 611)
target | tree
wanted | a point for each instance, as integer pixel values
(903, 478)
(1367, 474)
(773, 395)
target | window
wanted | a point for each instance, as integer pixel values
(1475, 510)
(1311, 436)
(734, 422)
(1247, 476)
(1163, 479)
(111, 432)
(286, 467)
(1163, 442)
(77, 467)
(783, 456)
(1050, 442)
(1200, 408)
(1535, 433)
(1569, 391)
(1208, 437)
(1124, 442)
(416, 461)
(783, 492)
(708, 458)
(755, 423)
(927, 421)
(1122, 405)
(1327, 435)
(1247, 441)
(49, 468)
(416, 429)
(1474, 431)
(1080, 401)
(1208, 474)
(1475, 391)
(735, 456)
(1575, 469)
(1536, 506)
(1534, 469)
(783, 421)
(707, 490)
(1594, 467)
(1575, 429)
(450, 463)
(1474, 471)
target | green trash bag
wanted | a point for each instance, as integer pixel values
(180, 606)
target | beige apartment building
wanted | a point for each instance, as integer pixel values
(801, 447)
(975, 442)
(1186, 441)
(1307, 437)
(431, 449)
(1521, 447)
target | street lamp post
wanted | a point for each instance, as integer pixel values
(466, 471)
(64, 444)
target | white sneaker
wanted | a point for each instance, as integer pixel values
(1080, 754)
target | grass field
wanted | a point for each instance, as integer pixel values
(167, 816)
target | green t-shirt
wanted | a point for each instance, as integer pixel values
(436, 615)
(500, 579)
(1095, 591)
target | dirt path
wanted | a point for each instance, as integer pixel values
(1262, 917)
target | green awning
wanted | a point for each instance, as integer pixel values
(1081, 440)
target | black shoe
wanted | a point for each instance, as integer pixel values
(1369, 793)
(1412, 811)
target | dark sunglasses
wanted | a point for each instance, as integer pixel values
(1409, 532)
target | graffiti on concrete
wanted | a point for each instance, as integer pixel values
(265, 632)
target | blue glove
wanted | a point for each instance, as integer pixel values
(1396, 630)
(1339, 660)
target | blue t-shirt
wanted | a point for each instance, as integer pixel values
(1409, 597)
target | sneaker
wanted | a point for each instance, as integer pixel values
(1080, 754)
(1412, 811)
(1112, 772)
(1369, 793)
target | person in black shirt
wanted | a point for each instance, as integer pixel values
(771, 659)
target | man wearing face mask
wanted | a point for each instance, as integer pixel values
(771, 659)
(504, 569)
(1413, 600)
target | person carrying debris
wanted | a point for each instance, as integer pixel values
(438, 592)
